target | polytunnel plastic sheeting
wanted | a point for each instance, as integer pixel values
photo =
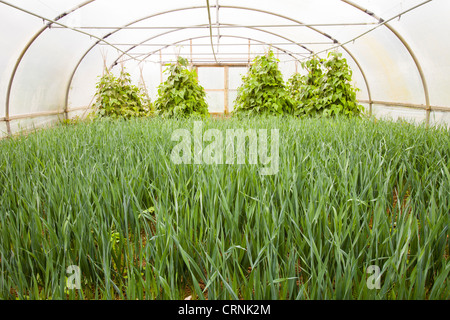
(12, 43)
(83, 85)
(398, 113)
(427, 31)
(20, 125)
(440, 118)
(396, 63)
(386, 63)
(41, 79)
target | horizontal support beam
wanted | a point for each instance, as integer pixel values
(221, 26)
(34, 115)
(217, 53)
(224, 44)
(384, 103)
(216, 65)
(220, 90)
(40, 114)
(407, 105)
(223, 63)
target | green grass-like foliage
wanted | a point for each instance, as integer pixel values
(263, 91)
(117, 97)
(326, 89)
(181, 95)
(105, 196)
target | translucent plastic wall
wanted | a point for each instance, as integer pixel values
(53, 51)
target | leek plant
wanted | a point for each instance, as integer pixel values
(105, 196)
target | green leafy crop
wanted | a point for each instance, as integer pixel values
(326, 89)
(263, 90)
(305, 90)
(117, 97)
(106, 196)
(181, 95)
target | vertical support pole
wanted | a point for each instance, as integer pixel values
(160, 66)
(190, 45)
(66, 113)
(8, 126)
(428, 115)
(141, 68)
(249, 44)
(226, 82)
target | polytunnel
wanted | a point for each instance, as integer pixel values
(54, 51)
(224, 150)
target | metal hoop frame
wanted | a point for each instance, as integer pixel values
(370, 101)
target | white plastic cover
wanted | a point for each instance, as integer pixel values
(397, 49)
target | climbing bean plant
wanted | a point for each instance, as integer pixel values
(263, 90)
(181, 95)
(117, 97)
(326, 89)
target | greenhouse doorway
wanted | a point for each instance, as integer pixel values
(221, 83)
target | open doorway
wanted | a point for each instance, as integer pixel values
(221, 83)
